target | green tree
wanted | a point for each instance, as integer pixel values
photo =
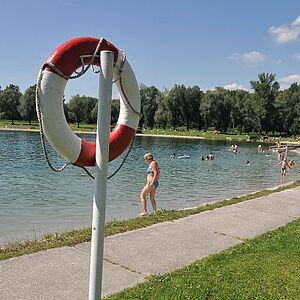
(115, 110)
(215, 109)
(148, 105)
(27, 108)
(191, 107)
(161, 114)
(76, 109)
(66, 110)
(281, 122)
(295, 128)
(89, 104)
(249, 118)
(236, 100)
(175, 101)
(292, 108)
(9, 102)
(1, 103)
(265, 91)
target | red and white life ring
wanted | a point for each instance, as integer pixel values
(67, 59)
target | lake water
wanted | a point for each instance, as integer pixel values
(34, 200)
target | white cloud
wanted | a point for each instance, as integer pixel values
(297, 56)
(254, 56)
(296, 22)
(234, 86)
(286, 33)
(249, 57)
(283, 34)
(286, 81)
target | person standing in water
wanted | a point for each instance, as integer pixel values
(284, 164)
(151, 185)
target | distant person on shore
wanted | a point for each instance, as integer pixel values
(151, 185)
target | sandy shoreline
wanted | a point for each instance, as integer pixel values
(90, 132)
(19, 129)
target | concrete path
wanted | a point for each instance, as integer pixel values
(63, 273)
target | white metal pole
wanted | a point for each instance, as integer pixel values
(100, 184)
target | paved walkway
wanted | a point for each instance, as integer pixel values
(63, 273)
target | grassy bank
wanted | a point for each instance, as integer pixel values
(23, 125)
(209, 134)
(202, 134)
(215, 135)
(264, 268)
(83, 235)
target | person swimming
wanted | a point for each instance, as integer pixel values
(291, 164)
(234, 148)
(210, 156)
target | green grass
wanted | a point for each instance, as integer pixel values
(19, 125)
(181, 131)
(267, 267)
(214, 135)
(74, 237)
(196, 133)
(35, 125)
(84, 127)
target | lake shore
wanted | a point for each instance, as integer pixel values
(147, 135)
(90, 132)
(223, 243)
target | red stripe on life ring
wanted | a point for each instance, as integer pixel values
(66, 57)
(119, 140)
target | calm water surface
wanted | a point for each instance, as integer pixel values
(34, 200)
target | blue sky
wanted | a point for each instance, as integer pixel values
(206, 43)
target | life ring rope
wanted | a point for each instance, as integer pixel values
(127, 100)
(84, 69)
(42, 135)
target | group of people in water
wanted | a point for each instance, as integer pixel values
(151, 185)
(209, 156)
(282, 157)
(153, 172)
(284, 163)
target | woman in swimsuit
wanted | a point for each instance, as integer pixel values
(151, 185)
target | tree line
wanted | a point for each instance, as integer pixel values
(266, 109)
